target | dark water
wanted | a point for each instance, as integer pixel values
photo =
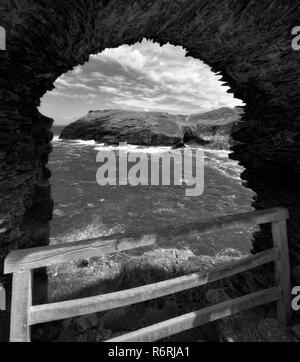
(83, 209)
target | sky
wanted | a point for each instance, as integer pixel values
(141, 77)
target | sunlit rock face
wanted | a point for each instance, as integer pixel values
(156, 128)
(249, 43)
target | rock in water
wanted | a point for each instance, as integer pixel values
(155, 128)
(137, 128)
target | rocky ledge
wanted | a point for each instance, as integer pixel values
(156, 128)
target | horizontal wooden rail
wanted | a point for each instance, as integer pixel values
(21, 263)
(201, 317)
(21, 260)
(74, 308)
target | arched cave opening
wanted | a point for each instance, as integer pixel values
(148, 96)
(116, 95)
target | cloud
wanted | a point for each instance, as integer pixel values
(144, 76)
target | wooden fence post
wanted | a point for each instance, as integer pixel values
(282, 270)
(21, 302)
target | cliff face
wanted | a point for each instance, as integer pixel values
(114, 126)
(155, 128)
(216, 127)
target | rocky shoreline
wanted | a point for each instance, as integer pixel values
(212, 129)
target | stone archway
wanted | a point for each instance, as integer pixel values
(248, 42)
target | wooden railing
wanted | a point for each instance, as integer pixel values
(22, 263)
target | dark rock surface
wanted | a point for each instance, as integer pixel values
(156, 128)
(114, 126)
(296, 274)
(296, 332)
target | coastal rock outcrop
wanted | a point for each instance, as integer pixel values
(156, 128)
(115, 126)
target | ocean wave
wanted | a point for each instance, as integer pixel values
(56, 139)
(214, 158)
(85, 143)
(223, 154)
(58, 213)
(229, 254)
(143, 149)
(218, 153)
(220, 161)
(133, 148)
(94, 230)
(230, 169)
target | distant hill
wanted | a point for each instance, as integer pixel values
(155, 128)
(219, 116)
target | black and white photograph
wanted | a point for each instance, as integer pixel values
(149, 174)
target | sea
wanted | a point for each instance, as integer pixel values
(86, 210)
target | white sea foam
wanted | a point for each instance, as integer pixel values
(218, 153)
(220, 161)
(56, 139)
(85, 143)
(214, 158)
(94, 230)
(229, 254)
(133, 148)
(230, 169)
(75, 142)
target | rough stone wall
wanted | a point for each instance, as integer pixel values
(248, 42)
(26, 204)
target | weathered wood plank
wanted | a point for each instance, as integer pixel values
(41, 257)
(201, 317)
(21, 302)
(34, 258)
(70, 309)
(282, 271)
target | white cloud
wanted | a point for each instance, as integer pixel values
(139, 77)
(78, 70)
(124, 55)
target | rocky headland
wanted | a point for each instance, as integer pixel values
(156, 128)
